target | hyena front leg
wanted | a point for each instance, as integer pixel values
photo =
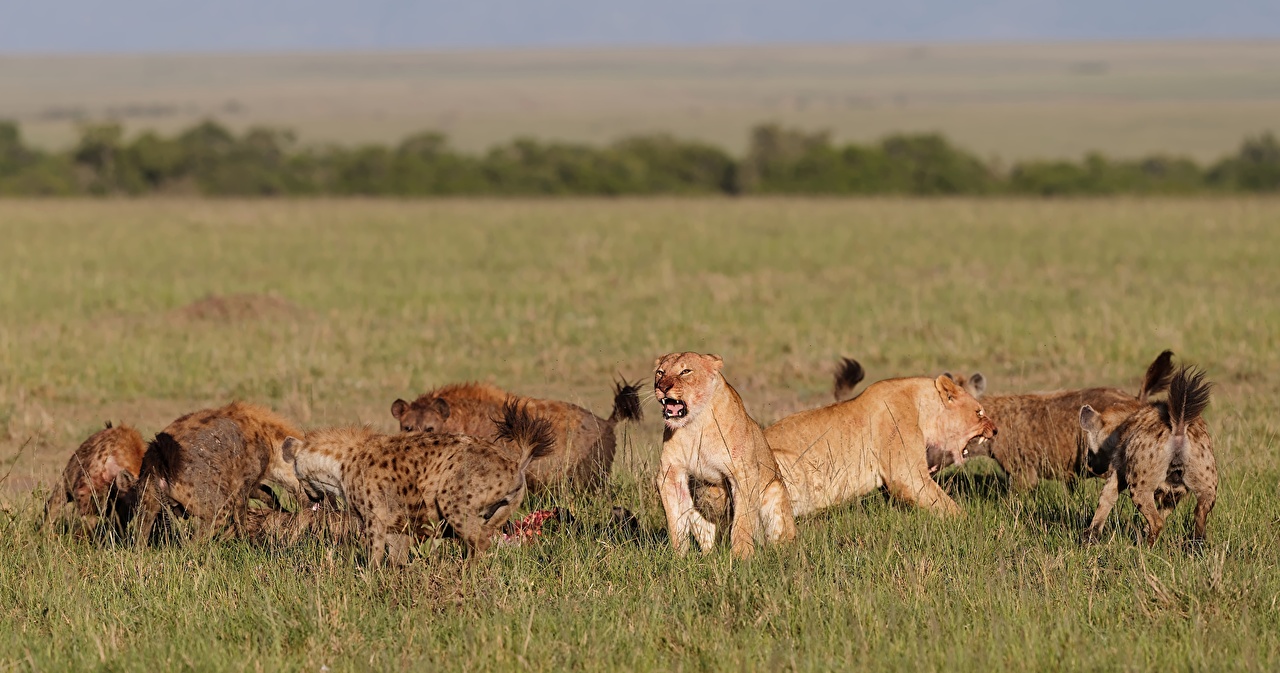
(1110, 494)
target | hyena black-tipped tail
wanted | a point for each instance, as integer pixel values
(626, 402)
(1188, 397)
(848, 375)
(535, 437)
(1158, 376)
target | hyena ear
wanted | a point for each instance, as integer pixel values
(717, 362)
(1090, 420)
(124, 481)
(442, 408)
(398, 408)
(289, 450)
(976, 385)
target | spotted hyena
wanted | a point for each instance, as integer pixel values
(205, 471)
(424, 484)
(89, 479)
(584, 443)
(1160, 453)
(1040, 434)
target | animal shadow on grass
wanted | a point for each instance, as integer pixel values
(966, 484)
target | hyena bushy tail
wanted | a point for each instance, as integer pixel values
(626, 402)
(848, 375)
(535, 437)
(1158, 376)
(1188, 398)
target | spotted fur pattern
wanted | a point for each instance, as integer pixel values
(1159, 454)
(585, 444)
(1040, 432)
(424, 484)
(89, 480)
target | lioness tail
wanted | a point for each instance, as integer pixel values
(848, 375)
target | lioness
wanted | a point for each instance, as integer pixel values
(710, 439)
(880, 438)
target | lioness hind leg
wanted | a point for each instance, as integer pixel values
(748, 501)
(776, 513)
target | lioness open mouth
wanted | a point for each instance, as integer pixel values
(673, 408)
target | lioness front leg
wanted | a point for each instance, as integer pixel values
(908, 478)
(683, 518)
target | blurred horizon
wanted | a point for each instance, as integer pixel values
(154, 26)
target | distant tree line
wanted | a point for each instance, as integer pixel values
(209, 159)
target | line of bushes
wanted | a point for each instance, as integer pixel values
(209, 159)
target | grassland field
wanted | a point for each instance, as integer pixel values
(105, 314)
(1003, 101)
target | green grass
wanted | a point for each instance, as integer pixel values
(1007, 101)
(552, 298)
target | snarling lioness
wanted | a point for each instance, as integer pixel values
(709, 439)
(880, 438)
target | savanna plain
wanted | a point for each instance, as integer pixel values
(139, 311)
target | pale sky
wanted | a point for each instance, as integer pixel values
(237, 25)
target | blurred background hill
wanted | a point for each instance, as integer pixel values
(1005, 80)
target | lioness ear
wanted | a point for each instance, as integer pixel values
(947, 388)
(289, 450)
(717, 363)
(976, 385)
(442, 408)
(398, 408)
(1090, 420)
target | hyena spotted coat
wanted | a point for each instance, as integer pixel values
(1159, 454)
(205, 471)
(424, 484)
(1040, 432)
(89, 479)
(584, 443)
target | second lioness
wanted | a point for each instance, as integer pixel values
(584, 443)
(423, 484)
(881, 438)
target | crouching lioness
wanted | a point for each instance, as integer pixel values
(881, 438)
(710, 440)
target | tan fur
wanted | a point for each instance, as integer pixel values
(88, 481)
(712, 440)
(1159, 454)
(881, 438)
(584, 443)
(413, 485)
